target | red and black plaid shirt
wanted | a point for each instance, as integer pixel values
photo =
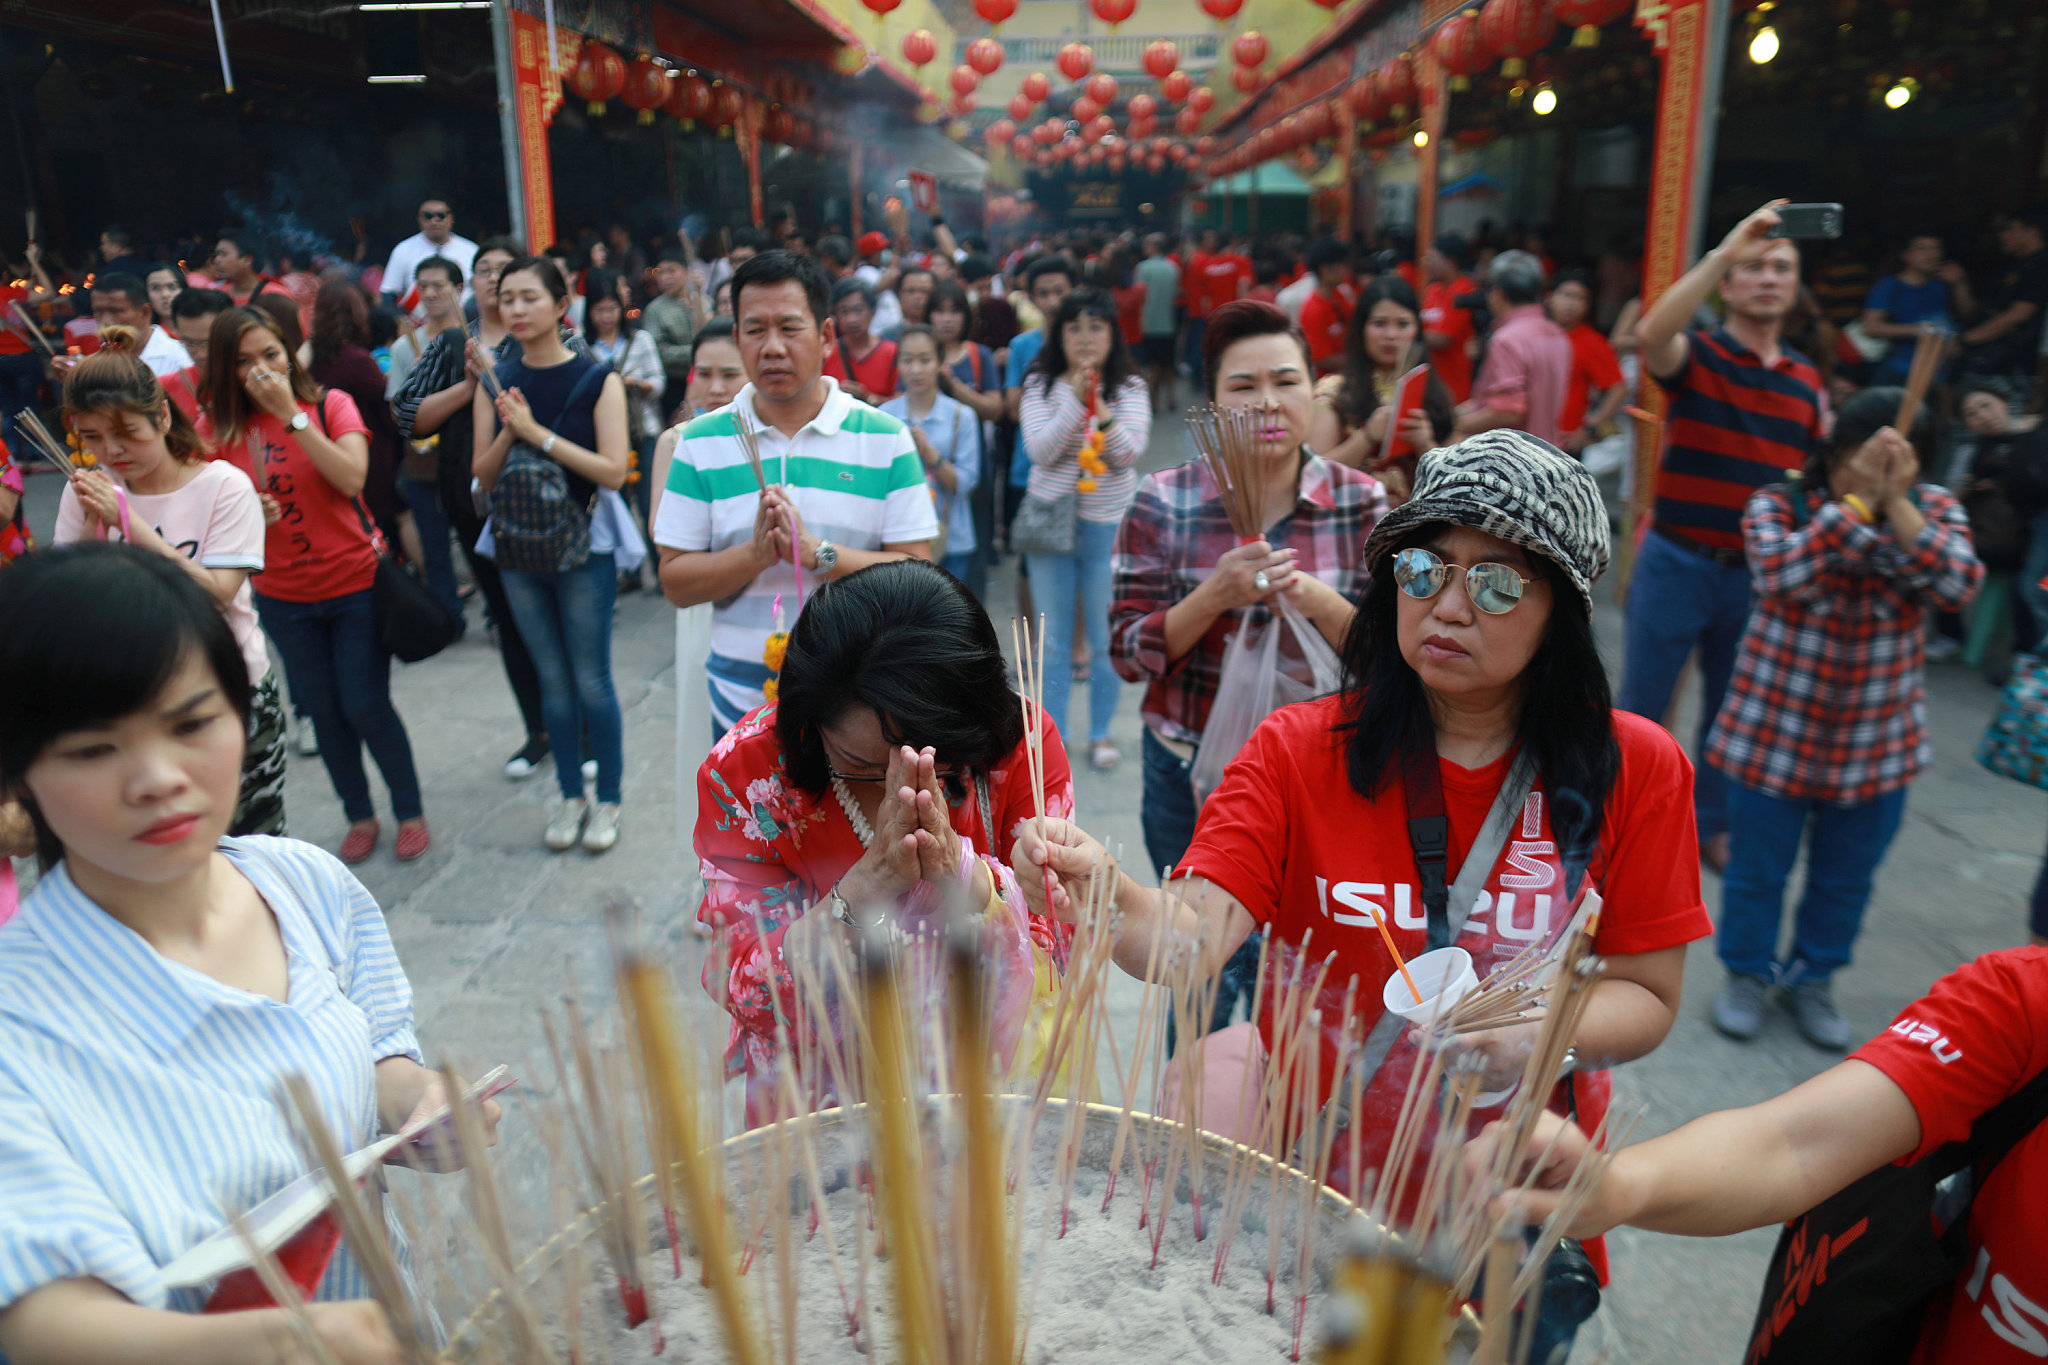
(1826, 702)
(1169, 543)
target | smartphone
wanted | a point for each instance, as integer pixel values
(1808, 220)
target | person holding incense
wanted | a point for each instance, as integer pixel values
(1824, 727)
(1188, 577)
(1382, 343)
(1965, 1061)
(1471, 681)
(163, 979)
(891, 773)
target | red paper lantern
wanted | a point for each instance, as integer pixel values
(1142, 128)
(1002, 130)
(1516, 29)
(1048, 132)
(1201, 99)
(963, 80)
(1075, 61)
(880, 7)
(1102, 125)
(600, 75)
(993, 12)
(1205, 146)
(919, 47)
(692, 99)
(1246, 79)
(1364, 99)
(1397, 82)
(1085, 108)
(1142, 107)
(985, 55)
(727, 103)
(1021, 146)
(1250, 48)
(1102, 88)
(1021, 107)
(778, 126)
(1222, 11)
(963, 102)
(1461, 47)
(1175, 85)
(1160, 59)
(1113, 12)
(646, 88)
(1187, 121)
(1036, 87)
(1587, 17)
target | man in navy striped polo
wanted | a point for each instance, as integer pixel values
(1744, 411)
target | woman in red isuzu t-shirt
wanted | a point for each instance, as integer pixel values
(1472, 647)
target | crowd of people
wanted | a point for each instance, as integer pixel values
(830, 445)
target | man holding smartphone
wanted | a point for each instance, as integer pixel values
(1744, 411)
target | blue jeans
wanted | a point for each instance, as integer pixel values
(1679, 601)
(1847, 844)
(436, 539)
(1168, 814)
(1055, 579)
(2037, 915)
(566, 621)
(341, 680)
(20, 377)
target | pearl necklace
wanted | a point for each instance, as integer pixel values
(862, 830)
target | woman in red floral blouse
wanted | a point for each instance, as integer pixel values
(892, 764)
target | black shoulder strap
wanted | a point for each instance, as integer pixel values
(1795, 482)
(1429, 834)
(1999, 1129)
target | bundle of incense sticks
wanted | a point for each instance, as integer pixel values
(1229, 442)
(35, 333)
(486, 371)
(46, 445)
(953, 1247)
(1928, 351)
(750, 444)
(1028, 644)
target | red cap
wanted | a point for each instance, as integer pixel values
(872, 243)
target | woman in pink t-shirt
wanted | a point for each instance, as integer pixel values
(154, 487)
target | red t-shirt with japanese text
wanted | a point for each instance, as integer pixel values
(1972, 1041)
(1215, 280)
(1324, 320)
(1440, 313)
(876, 372)
(1595, 368)
(1288, 838)
(317, 549)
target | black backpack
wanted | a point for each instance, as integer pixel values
(1852, 1277)
(537, 523)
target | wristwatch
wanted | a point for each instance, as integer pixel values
(828, 557)
(299, 421)
(841, 910)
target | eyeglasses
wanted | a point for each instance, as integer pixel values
(1495, 589)
(436, 213)
(946, 772)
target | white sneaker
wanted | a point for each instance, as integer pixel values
(589, 771)
(309, 742)
(603, 830)
(1941, 649)
(567, 825)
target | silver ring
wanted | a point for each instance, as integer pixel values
(1261, 582)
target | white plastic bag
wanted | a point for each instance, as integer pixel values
(1256, 681)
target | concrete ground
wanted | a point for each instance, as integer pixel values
(490, 925)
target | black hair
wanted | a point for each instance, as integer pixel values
(714, 329)
(1051, 264)
(672, 257)
(246, 243)
(975, 266)
(116, 234)
(751, 237)
(955, 298)
(511, 246)
(383, 325)
(199, 303)
(1358, 398)
(779, 266)
(442, 264)
(1455, 249)
(92, 632)
(601, 286)
(1567, 712)
(1328, 251)
(1051, 364)
(125, 284)
(908, 640)
(835, 249)
(546, 271)
(1578, 277)
(850, 286)
(1857, 420)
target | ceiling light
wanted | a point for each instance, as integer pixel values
(1421, 138)
(398, 80)
(1546, 99)
(1764, 46)
(407, 6)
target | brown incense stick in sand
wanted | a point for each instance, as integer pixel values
(1927, 354)
(994, 1291)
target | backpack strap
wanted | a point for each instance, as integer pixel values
(1997, 1131)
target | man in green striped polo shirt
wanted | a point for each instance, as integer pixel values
(845, 486)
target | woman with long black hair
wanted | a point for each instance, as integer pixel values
(1085, 417)
(1472, 681)
(1382, 343)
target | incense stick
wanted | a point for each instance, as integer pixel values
(1230, 441)
(1927, 355)
(46, 445)
(35, 332)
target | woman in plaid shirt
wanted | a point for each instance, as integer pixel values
(1184, 585)
(1825, 723)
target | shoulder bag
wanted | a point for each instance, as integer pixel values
(1045, 526)
(537, 523)
(1853, 1276)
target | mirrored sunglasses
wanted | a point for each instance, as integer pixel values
(1495, 589)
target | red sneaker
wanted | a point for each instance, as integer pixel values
(360, 843)
(412, 841)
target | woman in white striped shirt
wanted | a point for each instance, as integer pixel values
(162, 979)
(1082, 384)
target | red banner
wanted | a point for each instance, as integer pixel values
(537, 91)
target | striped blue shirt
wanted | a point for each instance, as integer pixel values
(139, 1098)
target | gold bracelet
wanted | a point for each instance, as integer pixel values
(1859, 507)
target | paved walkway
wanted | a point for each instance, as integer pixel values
(490, 925)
